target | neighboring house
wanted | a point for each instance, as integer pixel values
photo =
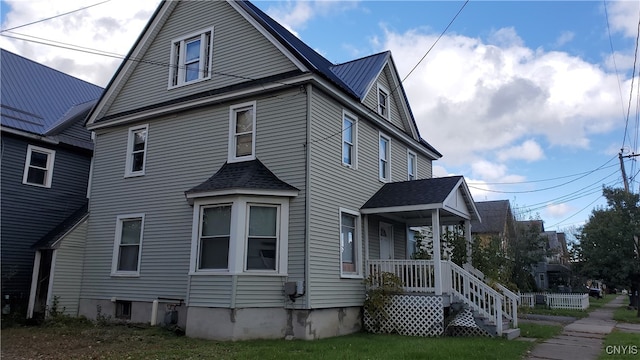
(46, 157)
(244, 187)
(498, 222)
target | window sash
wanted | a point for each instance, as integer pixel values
(128, 245)
(384, 158)
(242, 132)
(411, 166)
(382, 102)
(348, 243)
(38, 166)
(263, 233)
(136, 150)
(213, 245)
(191, 59)
(347, 140)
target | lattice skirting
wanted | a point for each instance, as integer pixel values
(412, 315)
(464, 324)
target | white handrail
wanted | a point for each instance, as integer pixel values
(416, 275)
(478, 295)
(509, 304)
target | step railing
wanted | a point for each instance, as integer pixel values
(475, 293)
(510, 300)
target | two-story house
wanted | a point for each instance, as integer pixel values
(46, 157)
(243, 186)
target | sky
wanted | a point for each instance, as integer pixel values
(531, 101)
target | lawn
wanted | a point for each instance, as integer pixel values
(622, 314)
(620, 345)
(88, 341)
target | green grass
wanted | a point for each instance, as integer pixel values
(541, 332)
(622, 314)
(618, 342)
(123, 342)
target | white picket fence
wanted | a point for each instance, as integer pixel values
(557, 301)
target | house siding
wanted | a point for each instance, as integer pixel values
(371, 100)
(30, 212)
(67, 274)
(233, 35)
(183, 150)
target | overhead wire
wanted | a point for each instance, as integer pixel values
(539, 180)
(55, 16)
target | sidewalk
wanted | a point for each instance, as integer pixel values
(581, 339)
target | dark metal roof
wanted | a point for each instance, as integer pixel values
(35, 98)
(242, 175)
(494, 216)
(360, 74)
(49, 240)
(415, 192)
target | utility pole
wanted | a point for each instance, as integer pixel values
(636, 295)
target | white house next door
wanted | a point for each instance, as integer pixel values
(386, 241)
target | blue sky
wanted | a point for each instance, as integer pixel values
(522, 98)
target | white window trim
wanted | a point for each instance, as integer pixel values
(354, 131)
(357, 246)
(173, 67)
(383, 88)
(415, 165)
(116, 246)
(51, 155)
(129, 161)
(388, 179)
(231, 155)
(238, 239)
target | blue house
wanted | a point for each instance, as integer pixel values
(46, 160)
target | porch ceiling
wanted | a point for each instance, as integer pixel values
(414, 201)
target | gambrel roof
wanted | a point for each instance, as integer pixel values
(39, 100)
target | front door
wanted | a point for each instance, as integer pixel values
(386, 241)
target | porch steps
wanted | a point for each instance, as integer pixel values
(466, 322)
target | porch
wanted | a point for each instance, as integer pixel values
(432, 285)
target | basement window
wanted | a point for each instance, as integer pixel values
(123, 310)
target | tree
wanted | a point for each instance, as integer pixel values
(529, 248)
(607, 250)
(489, 257)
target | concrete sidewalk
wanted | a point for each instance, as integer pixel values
(581, 339)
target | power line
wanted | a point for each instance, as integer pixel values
(537, 181)
(55, 16)
(613, 58)
(635, 59)
(578, 212)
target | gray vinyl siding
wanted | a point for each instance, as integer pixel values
(371, 100)
(77, 131)
(183, 151)
(425, 167)
(30, 212)
(259, 291)
(334, 186)
(67, 274)
(240, 53)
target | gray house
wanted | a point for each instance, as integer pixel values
(244, 186)
(46, 156)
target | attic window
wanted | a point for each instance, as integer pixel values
(383, 101)
(191, 58)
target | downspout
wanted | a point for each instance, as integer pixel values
(307, 200)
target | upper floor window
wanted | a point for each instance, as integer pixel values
(242, 132)
(412, 165)
(191, 58)
(349, 243)
(384, 151)
(349, 136)
(127, 245)
(38, 167)
(136, 151)
(383, 101)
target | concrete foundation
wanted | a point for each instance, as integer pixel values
(271, 323)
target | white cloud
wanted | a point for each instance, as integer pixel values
(102, 26)
(528, 151)
(490, 97)
(492, 172)
(623, 17)
(558, 210)
(564, 38)
(296, 14)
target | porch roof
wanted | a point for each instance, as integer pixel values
(415, 199)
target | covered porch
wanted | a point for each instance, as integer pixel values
(437, 204)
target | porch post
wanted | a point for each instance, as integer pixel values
(365, 235)
(467, 235)
(437, 268)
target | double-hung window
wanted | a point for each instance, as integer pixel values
(384, 156)
(262, 237)
(349, 136)
(412, 165)
(215, 232)
(136, 151)
(191, 58)
(242, 132)
(127, 245)
(383, 101)
(349, 243)
(38, 167)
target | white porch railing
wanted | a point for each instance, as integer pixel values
(510, 300)
(419, 276)
(475, 293)
(557, 301)
(416, 275)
